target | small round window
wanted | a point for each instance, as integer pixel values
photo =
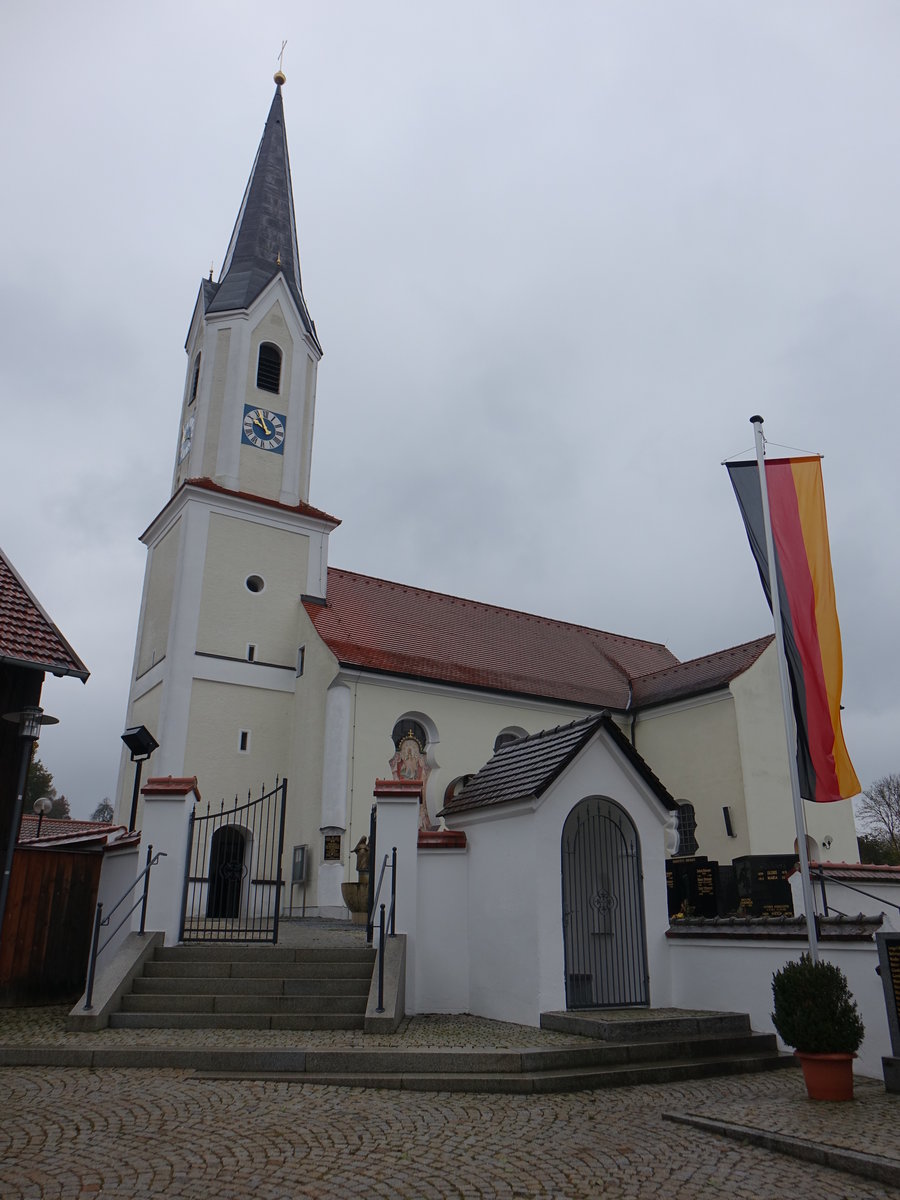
(254, 583)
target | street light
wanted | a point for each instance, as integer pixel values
(141, 743)
(42, 807)
(29, 721)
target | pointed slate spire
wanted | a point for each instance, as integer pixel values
(264, 241)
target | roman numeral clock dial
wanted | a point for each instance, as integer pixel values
(263, 429)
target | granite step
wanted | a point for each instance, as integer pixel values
(254, 969)
(639, 1024)
(353, 985)
(214, 1020)
(169, 1003)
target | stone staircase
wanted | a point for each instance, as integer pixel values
(235, 986)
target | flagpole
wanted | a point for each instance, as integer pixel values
(790, 728)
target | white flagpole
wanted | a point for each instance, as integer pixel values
(790, 728)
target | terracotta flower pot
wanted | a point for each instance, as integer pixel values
(827, 1076)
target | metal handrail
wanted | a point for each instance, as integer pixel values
(100, 920)
(819, 874)
(391, 922)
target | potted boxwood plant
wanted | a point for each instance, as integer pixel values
(816, 1014)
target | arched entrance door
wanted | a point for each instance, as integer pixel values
(226, 872)
(603, 908)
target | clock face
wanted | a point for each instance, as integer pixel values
(187, 436)
(263, 429)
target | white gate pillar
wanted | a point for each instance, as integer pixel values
(398, 802)
(168, 804)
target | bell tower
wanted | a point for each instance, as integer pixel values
(252, 349)
(237, 547)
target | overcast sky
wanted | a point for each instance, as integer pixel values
(557, 256)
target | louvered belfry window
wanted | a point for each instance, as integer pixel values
(268, 370)
(195, 379)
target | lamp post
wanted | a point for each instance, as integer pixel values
(29, 721)
(41, 809)
(141, 743)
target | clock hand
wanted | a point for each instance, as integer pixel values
(259, 419)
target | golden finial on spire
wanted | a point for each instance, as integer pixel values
(278, 259)
(211, 265)
(280, 76)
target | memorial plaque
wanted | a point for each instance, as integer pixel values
(889, 962)
(762, 884)
(332, 847)
(693, 887)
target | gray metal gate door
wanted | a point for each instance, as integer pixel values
(233, 881)
(603, 908)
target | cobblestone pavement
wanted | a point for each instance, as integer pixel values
(117, 1134)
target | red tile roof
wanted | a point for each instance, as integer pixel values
(55, 829)
(704, 674)
(28, 637)
(400, 630)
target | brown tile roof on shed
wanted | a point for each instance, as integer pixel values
(400, 630)
(28, 638)
(525, 768)
(698, 675)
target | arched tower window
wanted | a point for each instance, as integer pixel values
(195, 379)
(268, 368)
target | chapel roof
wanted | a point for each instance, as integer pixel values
(697, 675)
(402, 630)
(28, 638)
(264, 240)
(527, 767)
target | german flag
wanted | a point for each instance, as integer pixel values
(812, 637)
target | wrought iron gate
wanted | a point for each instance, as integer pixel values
(603, 908)
(232, 879)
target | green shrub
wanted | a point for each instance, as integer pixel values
(814, 1010)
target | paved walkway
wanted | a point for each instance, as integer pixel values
(74, 1134)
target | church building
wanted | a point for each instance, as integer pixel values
(257, 661)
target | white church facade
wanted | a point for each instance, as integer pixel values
(256, 659)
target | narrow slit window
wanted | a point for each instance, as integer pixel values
(244, 741)
(268, 368)
(195, 379)
(251, 653)
(301, 655)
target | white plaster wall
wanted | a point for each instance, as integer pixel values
(515, 926)
(693, 747)
(119, 871)
(766, 772)
(442, 953)
(218, 712)
(162, 562)
(230, 615)
(734, 976)
(467, 724)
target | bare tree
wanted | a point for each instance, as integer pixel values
(104, 811)
(879, 810)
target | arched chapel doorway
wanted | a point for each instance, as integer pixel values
(603, 908)
(226, 872)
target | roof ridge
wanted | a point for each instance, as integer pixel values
(502, 608)
(762, 642)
